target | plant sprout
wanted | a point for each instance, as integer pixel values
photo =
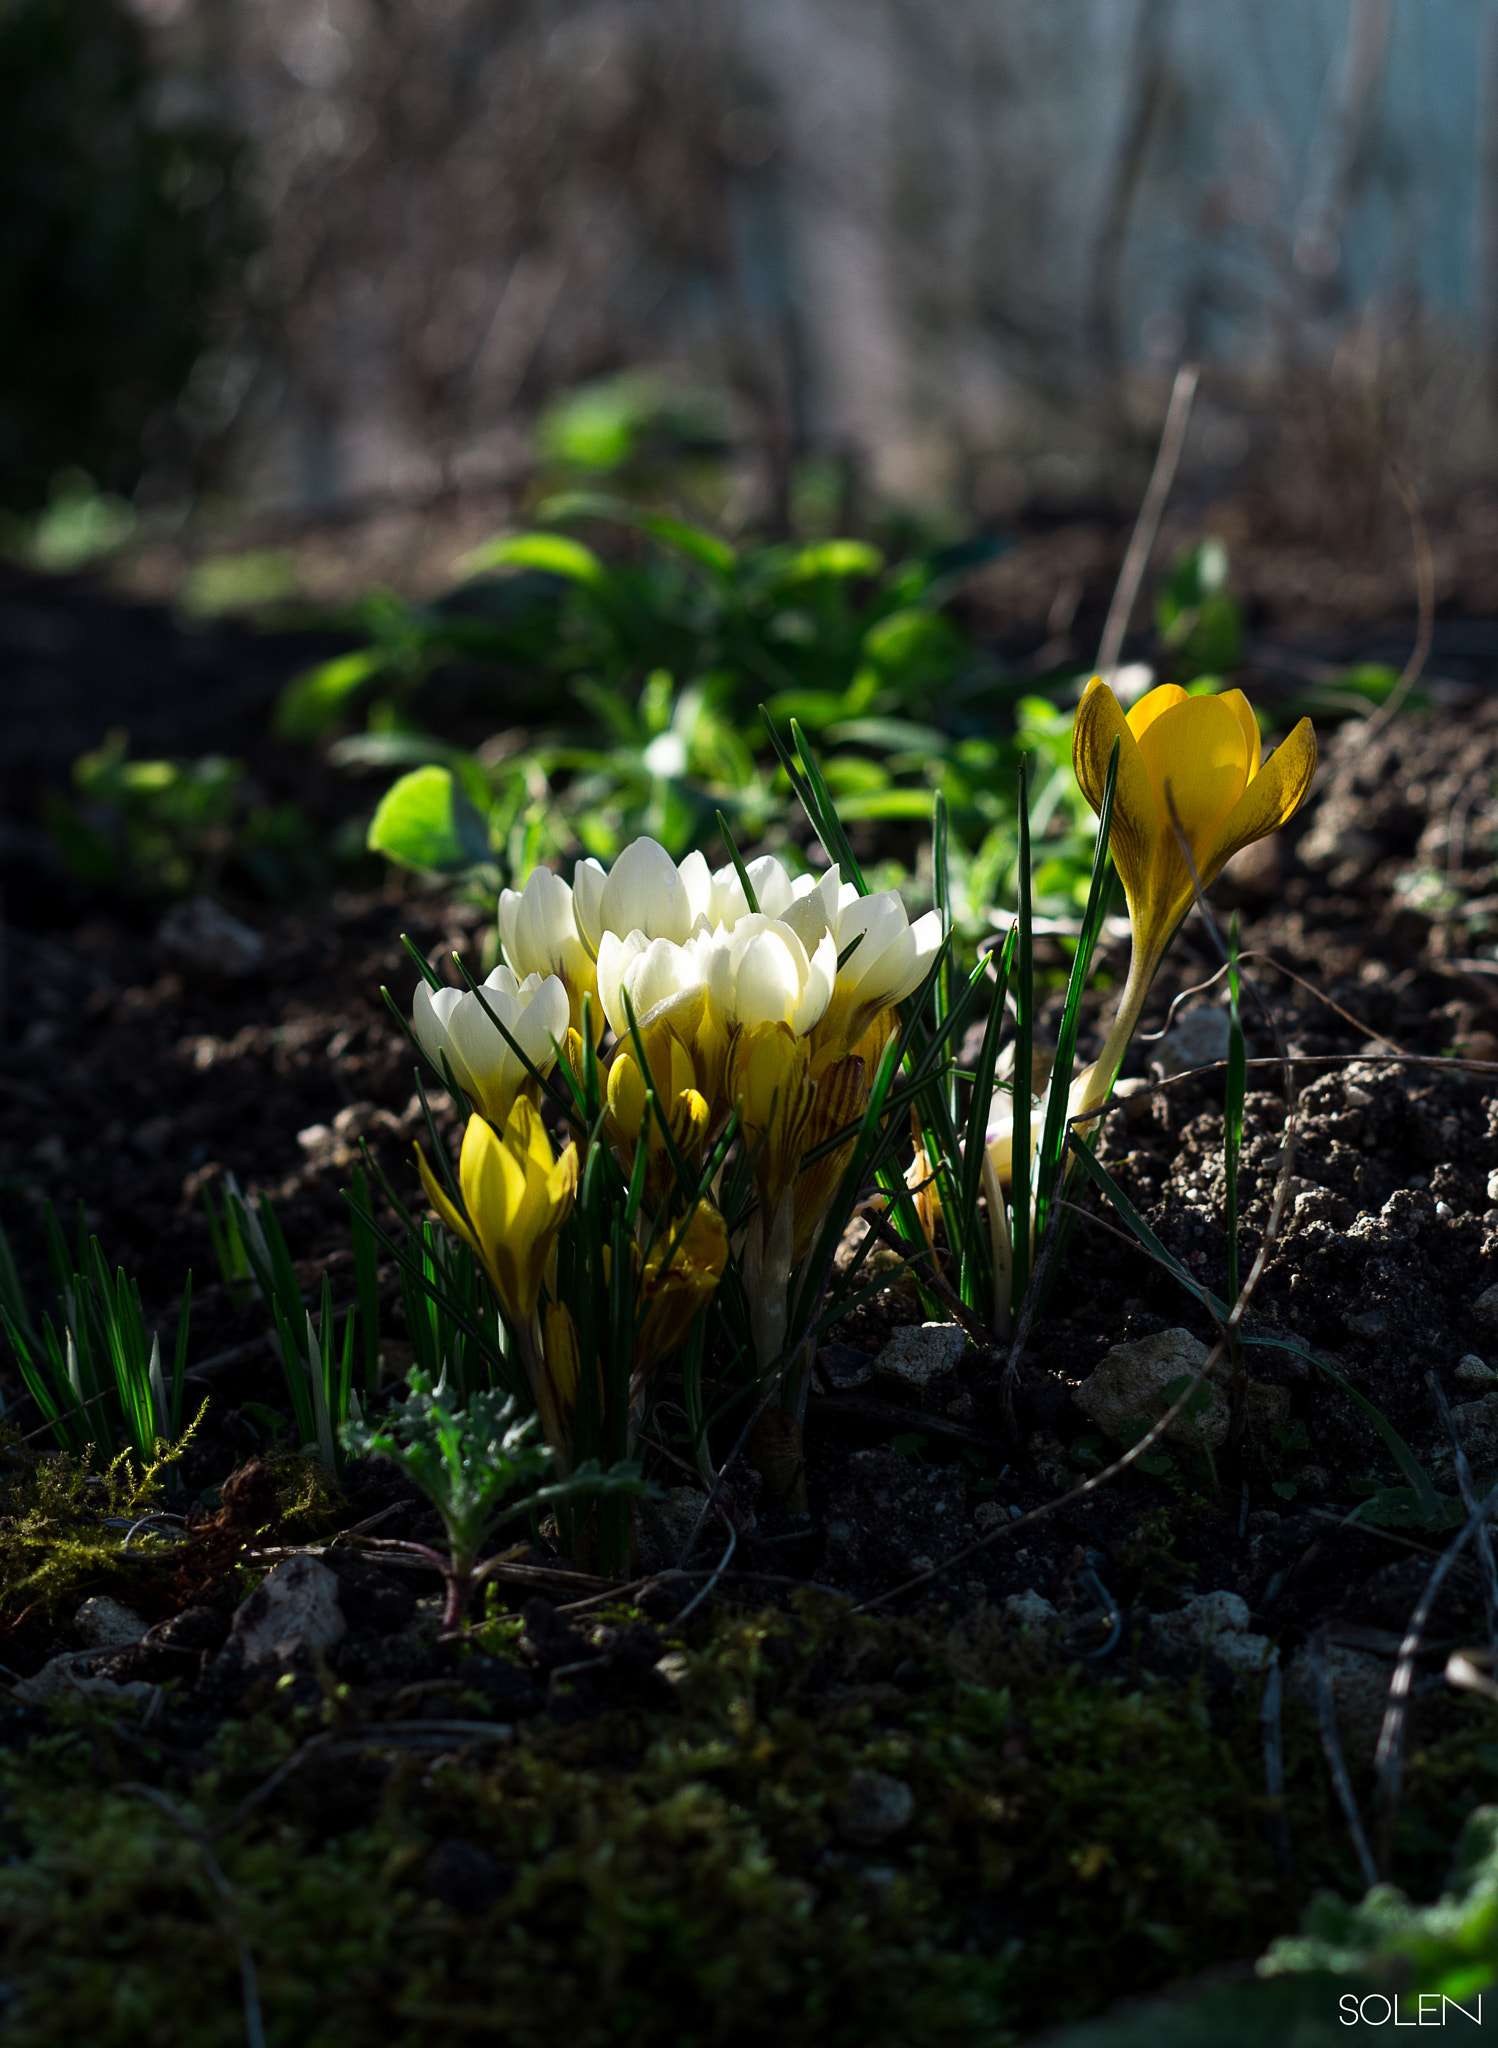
(472, 1463)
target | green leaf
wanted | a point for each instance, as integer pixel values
(833, 558)
(317, 698)
(557, 553)
(427, 824)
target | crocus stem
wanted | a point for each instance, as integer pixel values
(1126, 1018)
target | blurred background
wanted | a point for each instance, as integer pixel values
(280, 268)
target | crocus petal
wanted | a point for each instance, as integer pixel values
(588, 883)
(1136, 821)
(448, 1210)
(1271, 799)
(615, 957)
(768, 977)
(645, 892)
(1195, 757)
(697, 880)
(1152, 705)
(821, 976)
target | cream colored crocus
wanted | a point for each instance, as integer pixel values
(517, 1193)
(1193, 763)
(485, 1065)
(651, 972)
(761, 973)
(889, 961)
(808, 903)
(539, 934)
(644, 891)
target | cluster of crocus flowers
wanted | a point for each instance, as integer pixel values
(742, 990)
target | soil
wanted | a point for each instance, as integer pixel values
(134, 1079)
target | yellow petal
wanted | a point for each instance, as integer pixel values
(1195, 752)
(446, 1209)
(1253, 745)
(1152, 705)
(1271, 799)
(1136, 818)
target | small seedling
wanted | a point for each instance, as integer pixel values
(479, 1466)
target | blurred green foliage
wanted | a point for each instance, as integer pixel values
(659, 662)
(1199, 623)
(118, 225)
(172, 828)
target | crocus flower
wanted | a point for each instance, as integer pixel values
(891, 960)
(760, 973)
(682, 1269)
(644, 891)
(486, 1067)
(1201, 757)
(517, 1193)
(539, 934)
(652, 972)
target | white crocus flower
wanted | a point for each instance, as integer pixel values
(644, 891)
(539, 934)
(889, 962)
(761, 973)
(485, 1066)
(651, 971)
(776, 893)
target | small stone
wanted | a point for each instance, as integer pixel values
(1485, 1309)
(873, 1808)
(107, 1624)
(1199, 1038)
(677, 1514)
(1200, 1621)
(1028, 1610)
(843, 1368)
(988, 1513)
(1129, 1388)
(1359, 1686)
(295, 1607)
(1493, 1187)
(201, 934)
(1368, 1322)
(1135, 1099)
(66, 1677)
(1477, 1425)
(1445, 1211)
(674, 1666)
(1244, 1654)
(921, 1354)
(1476, 1371)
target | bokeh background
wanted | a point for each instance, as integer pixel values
(287, 268)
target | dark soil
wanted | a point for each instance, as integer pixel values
(133, 1080)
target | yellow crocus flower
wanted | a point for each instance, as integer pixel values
(518, 1194)
(1198, 756)
(683, 1268)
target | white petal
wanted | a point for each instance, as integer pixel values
(698, 884)
(428, 1023)
(588, 882)
(545, 922)
(506, 918)
(506, 981)
(478, 1051)
(729, 901)
(645, 893)
(542, 1025)
(663, 970)
(615, 956)
(768, 983)
(771, 885)
(820, 978)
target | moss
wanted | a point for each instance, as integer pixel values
(673, 1876)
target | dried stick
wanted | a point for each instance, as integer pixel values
(1147, 525)
(1326, 1716)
